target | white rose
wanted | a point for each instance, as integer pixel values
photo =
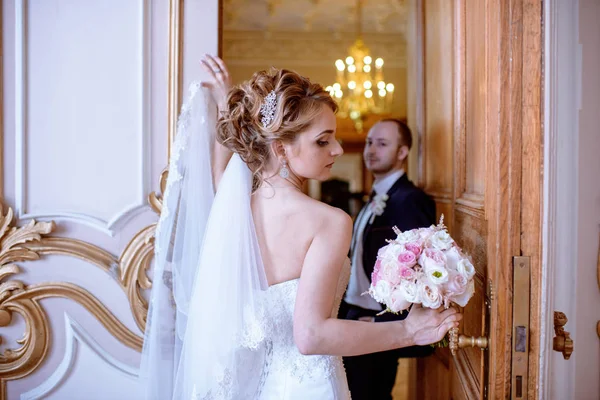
(441, 240)
(465, 268)
(398, 301)
(452, 258)
(463, 299)
(381, 292)
(430, 295)
(408, 236)
(437, 274)
(383, 250)
(410, 291)
(424, 233)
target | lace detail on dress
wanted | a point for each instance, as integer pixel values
(280, 304)
(254, 328)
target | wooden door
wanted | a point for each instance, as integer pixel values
(480, 158)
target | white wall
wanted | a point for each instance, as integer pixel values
(85, 88)
(572, 196)
(587, 342)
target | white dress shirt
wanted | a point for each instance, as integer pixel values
(359, 282)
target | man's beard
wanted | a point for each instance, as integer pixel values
(382, 169)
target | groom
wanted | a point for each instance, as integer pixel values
(395, 201)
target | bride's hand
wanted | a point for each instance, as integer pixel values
(221, 81)
(429, 326)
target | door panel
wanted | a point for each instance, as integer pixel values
(484, 212)
(85, 94)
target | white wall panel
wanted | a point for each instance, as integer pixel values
(82, 110)
(82, 354)
(85, 136)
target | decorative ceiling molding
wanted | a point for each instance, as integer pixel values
(380, 16)
(254, 48)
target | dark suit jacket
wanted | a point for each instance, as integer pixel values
(408, 207)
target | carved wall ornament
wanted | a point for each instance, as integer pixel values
(29, 243)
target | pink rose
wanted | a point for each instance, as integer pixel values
(375, 276)
(463, 298)
(432, 258)
(407, 274)
(457, 284)
(435, 255)
(390, 271)
(414, 248)
(407, 258)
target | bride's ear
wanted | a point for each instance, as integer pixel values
(278, 150)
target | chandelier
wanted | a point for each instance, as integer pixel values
(360, 88)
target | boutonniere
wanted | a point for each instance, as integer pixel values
(377, 205)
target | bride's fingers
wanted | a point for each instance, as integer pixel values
(221, 65)
(208, 69)
(218, 68)
(446, 313)
(452, 318)
(446, 326)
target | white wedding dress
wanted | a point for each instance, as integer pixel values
(287, 374)
(215, 330)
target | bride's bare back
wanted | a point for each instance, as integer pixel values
(286, 222)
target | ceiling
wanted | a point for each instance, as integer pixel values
(336, 16)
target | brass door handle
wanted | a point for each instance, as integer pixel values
(461, 341)
(562, 340)
(472, 341)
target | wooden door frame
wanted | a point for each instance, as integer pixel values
(514, 156)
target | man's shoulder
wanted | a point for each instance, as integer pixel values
(408, 192)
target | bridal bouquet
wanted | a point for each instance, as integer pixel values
(422, 266)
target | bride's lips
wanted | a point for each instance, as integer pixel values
(329, 165)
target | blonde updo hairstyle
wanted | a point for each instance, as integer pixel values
(298, 103)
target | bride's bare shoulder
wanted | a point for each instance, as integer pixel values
(325, 217)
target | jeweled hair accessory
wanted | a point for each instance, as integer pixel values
(267, 110)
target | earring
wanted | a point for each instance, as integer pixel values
(284, 172)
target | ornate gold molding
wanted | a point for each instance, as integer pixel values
(129, 271)
(134, 263)
(154, 199)
(174, 68)
(28, 244)
(17, 363)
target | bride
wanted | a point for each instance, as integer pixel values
(247, 282)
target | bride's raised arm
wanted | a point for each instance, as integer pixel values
(219, 86)
(317, 332)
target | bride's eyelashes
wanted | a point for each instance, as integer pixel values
(322, 143)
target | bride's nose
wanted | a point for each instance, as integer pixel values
(337, 149)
